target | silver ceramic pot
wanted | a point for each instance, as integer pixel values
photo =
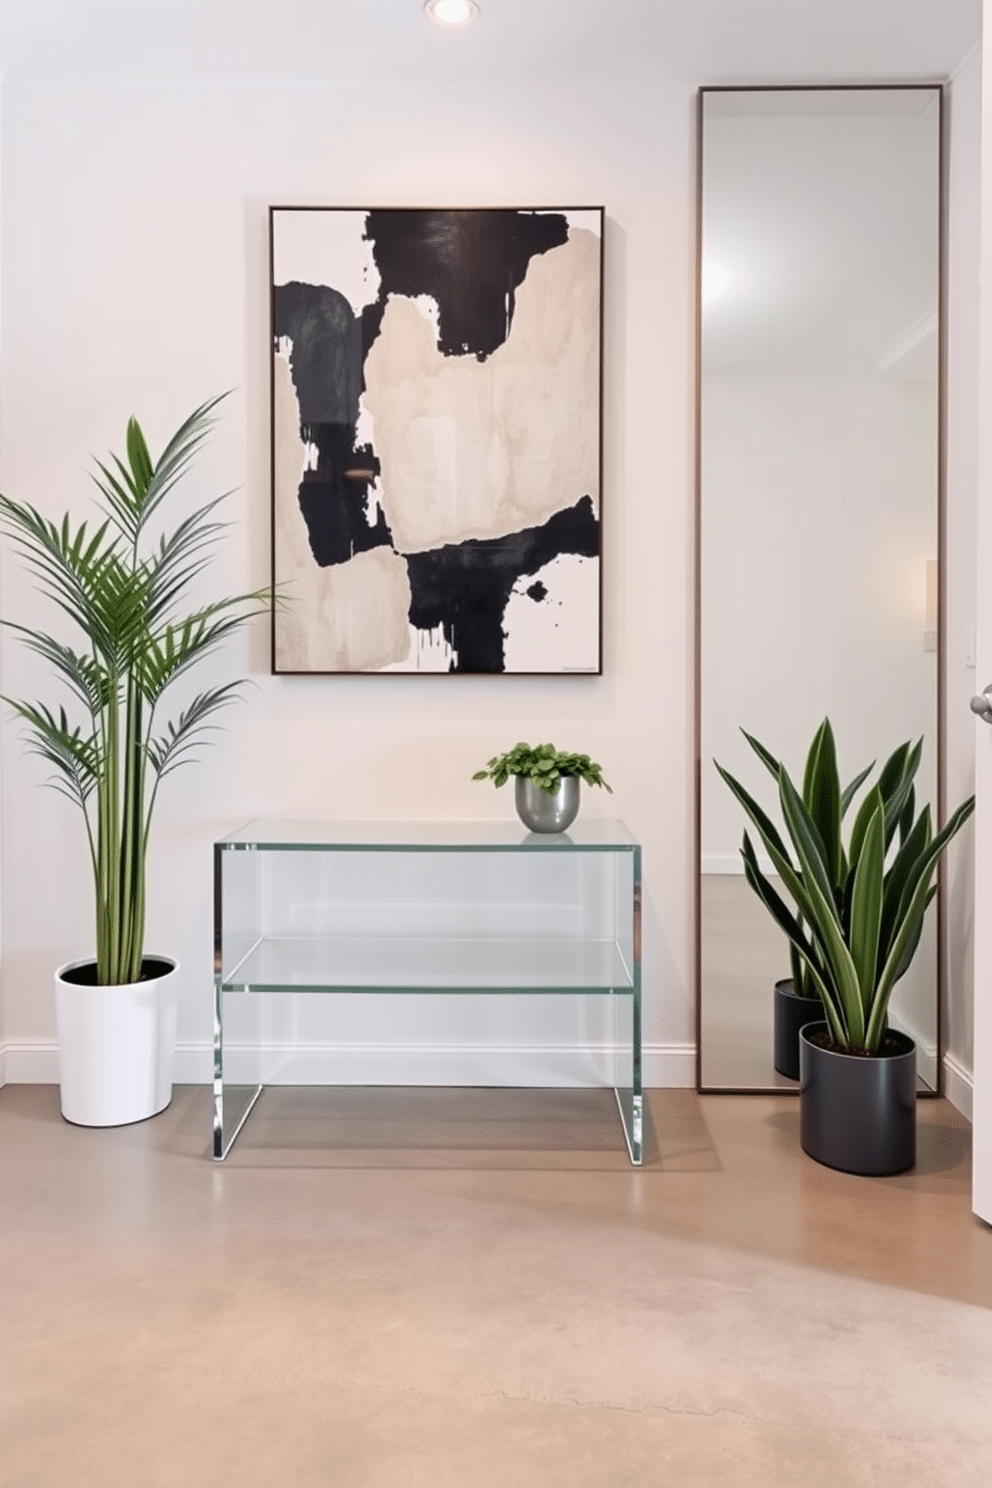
(547, 811)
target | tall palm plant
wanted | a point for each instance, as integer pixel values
(121, 587)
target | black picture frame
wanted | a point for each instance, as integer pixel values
(436, 404)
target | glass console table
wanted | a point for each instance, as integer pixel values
(425, 907)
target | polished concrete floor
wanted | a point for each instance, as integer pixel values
(423, 1289)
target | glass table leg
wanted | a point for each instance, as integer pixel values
(630, 1096)
(233, 1103)
(628, 1089)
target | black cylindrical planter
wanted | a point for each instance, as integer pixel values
(856, 1112)
(791, 1014)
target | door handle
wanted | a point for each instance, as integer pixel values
(982, 704)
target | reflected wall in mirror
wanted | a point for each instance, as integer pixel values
(819, 498)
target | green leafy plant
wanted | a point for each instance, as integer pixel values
(859, 907)
(120, 586)
(542, 763)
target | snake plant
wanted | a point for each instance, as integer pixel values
(121, 587)
(858, 908)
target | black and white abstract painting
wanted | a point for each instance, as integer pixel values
(436, 439)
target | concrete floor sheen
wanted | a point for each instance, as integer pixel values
(424, 1289)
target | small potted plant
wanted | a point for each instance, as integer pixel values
(546, 783)
(120, 584)
(855, 923)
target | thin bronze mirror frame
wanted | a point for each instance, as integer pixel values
(939, 89)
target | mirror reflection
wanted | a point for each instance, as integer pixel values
(819, 497)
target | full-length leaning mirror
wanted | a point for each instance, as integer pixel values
(819, 499)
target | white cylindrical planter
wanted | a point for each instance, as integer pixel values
(116, 1045)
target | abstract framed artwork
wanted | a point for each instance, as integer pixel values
(436, 440)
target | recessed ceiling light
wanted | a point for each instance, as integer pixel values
(452, 12)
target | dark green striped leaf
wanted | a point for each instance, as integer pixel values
(853, 786)
(821, 796)
(866, 907)
(823, 915)
(872, 802)
(769, 761)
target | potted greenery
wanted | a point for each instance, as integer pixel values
(120, 585)
(855, 926)
(796, 1000)
(546, 783)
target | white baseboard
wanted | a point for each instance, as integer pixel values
(669, 1066)
(722, 863)
(926, 1052)
(664, 1066)
(29, 1062)
(733, 863)
(959, 1085)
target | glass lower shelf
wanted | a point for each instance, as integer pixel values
(286, 964)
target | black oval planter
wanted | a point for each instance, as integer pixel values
(792, 1013)
(858, 1113)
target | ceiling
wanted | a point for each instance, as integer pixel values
(537, 42)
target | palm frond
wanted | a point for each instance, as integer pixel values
(86, 678)
(179, 646)
(74, 755)
(183, 737)
(127, 603)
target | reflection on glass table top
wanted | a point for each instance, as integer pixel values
(508, 964)
(590, 834)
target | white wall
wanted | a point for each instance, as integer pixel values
(818, 518)
(982, 1142)
(819, 515)
(961, 679)
(135, 280)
